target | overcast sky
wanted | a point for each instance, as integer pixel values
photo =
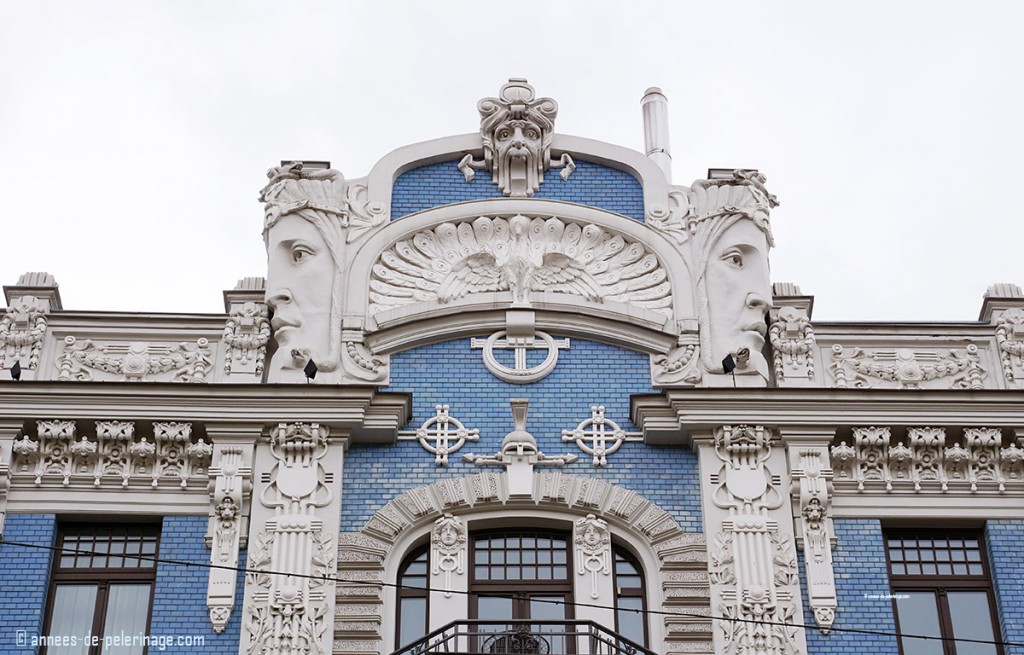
(134, 135)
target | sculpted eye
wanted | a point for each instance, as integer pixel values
(301, 254)
(532, 134)
(734, 257)
(504, 134)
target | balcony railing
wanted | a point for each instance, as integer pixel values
(471, 637)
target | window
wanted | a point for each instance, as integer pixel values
(101, 590)
(413, 596)
(521, 575)
(941, 588)
(630, 620)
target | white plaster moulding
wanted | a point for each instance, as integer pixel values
(882, 333)
(851, 504)
(668, 254)
(384, 173)
(26, 498)
(673, 415)
(361, 412)
(633, 327)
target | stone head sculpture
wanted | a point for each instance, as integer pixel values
(730, 238)
(517, 129)
(304, 236)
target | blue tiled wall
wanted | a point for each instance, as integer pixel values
(1005, 542)
(862, 586)
(589, 373)
(24, 578)
(591, 184)
(179, 604)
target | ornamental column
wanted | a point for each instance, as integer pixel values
(752, 565)
(296, 512)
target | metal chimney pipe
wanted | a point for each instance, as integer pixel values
(656, 139)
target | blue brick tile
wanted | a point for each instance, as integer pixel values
(1004, 540)
(24, 578)
(179, 602)
(590, 184)
(862, 584)
(587, 374)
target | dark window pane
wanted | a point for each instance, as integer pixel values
(919, 615)
(972, 619)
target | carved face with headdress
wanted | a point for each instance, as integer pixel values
(731, 237)
(303, 234)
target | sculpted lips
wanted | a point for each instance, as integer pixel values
(759, 329)
(279, 324)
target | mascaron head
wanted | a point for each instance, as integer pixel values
(731, 238)
(305, 214)
(517, 129)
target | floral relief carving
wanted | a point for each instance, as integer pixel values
(135, 361)
(907, 368)
(793, 343)
(923, 462)
(246, 334)
(112, 456)
(22, 329)
(1010, 341)
(522, 255)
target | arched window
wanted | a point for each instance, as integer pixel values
(413, 596)
(630, 603)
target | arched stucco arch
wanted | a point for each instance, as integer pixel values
(675, 562)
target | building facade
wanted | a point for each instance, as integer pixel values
(513, 391)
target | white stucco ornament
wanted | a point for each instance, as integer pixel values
(517, 128)
(311, 217)
(523, 255)
(448, 544)
(441, 435)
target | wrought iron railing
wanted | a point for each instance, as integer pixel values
(471, 637)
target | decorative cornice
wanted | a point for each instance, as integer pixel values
(362, 412)
(672, 416)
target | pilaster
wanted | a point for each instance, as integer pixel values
(296, 509)
(23, 325)
(9, 431)
(230, 495)
(807, 449)
(752, 565)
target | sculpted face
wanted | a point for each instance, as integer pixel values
(739, 293)
(518, 140)
(300, 281)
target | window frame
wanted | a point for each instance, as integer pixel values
(515, 588)
(634, 592)
(940, 583)
(101, 577)
(404, 591)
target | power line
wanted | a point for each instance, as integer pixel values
(327, 578)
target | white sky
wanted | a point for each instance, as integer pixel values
(134, 136)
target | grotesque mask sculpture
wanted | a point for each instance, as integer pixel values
(517, 130)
